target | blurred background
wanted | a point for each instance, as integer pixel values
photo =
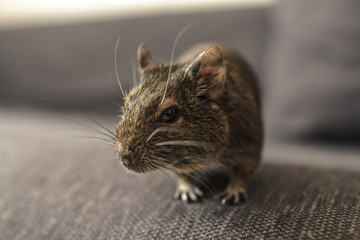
(60, 53)
(19, 13)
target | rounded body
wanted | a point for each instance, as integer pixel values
(185, 116)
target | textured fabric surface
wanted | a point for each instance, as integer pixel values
(313, 87)
(55, 187)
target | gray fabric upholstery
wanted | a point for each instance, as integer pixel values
(313, 85)
(72, 66)
(54, 186)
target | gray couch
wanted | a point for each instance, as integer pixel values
(57, 181)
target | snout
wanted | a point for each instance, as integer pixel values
(127, 160)
(131, 162)
(133, 158)
(126, 156)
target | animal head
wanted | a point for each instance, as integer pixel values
(172, 120)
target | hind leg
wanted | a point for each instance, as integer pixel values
(235, 191)
(240, 171)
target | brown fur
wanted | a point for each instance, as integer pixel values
(219, 107)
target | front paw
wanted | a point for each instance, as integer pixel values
(188, 193)
(233, 195)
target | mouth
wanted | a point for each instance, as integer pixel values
(135, 165)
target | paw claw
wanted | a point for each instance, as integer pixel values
(232, 196)
(198, 191)
(184, 197)
(188, 193)
(192, 196)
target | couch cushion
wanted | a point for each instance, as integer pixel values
(313, 85)
(54, 186)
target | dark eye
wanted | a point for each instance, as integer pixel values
(169, 115)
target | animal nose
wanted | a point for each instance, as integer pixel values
(126, 160)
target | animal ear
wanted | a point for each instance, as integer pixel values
(144, 56)
(209, 70)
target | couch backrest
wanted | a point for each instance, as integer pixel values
(313, 71)
(72, 66)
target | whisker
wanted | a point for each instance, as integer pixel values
(98, 138)
(227, 89)
(164, 150)
(116, 69)
(111, 137)
(235, 70)
(159, 158)
(172, 56)
(90, 128)
(100, 125)
(204, 182)
(133, 65)
(178, 159)
(186, 143)
(215, 82)
(203, 173)
(164, 171)
(163, 129)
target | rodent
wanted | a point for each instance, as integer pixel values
(205, 111)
